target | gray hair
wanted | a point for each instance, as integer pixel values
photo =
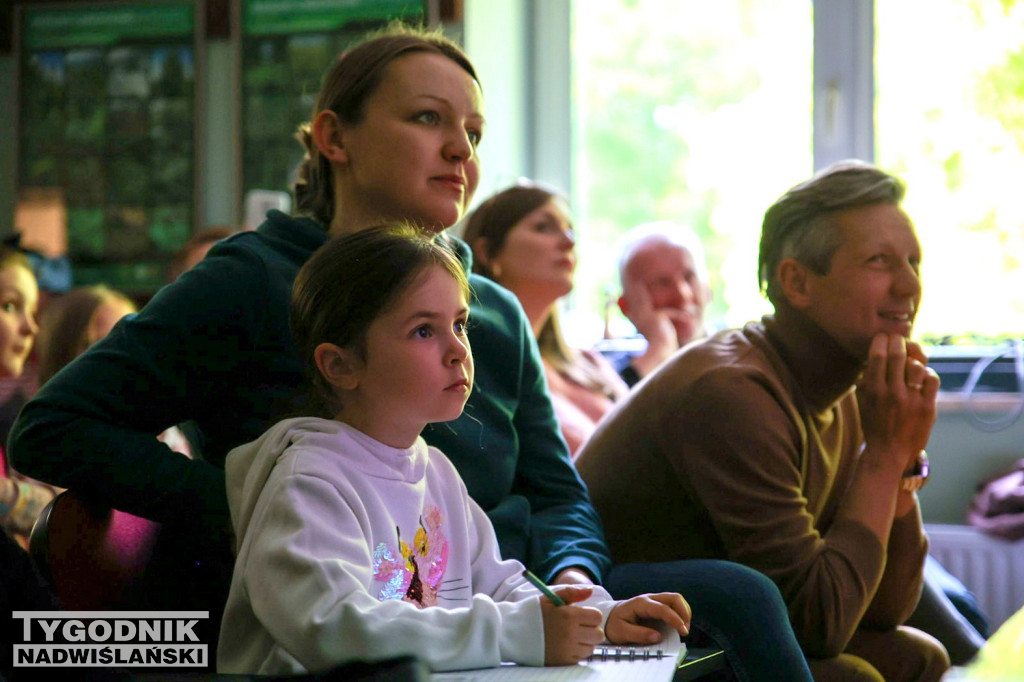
(671, 233)
(798, 224)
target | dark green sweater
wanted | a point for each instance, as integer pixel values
(215, 348)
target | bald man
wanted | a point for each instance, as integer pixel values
(664, 292)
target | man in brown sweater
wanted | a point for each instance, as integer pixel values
(794, 445)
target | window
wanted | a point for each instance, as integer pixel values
(950, 121)
(692, 112)
(702, 113)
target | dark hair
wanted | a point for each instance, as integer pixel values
(64, 326)
(799, 224)
(354, 78)
(349, 282)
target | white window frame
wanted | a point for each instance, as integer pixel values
(844, 81)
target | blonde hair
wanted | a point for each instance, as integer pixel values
(10, 255)
(571, 363)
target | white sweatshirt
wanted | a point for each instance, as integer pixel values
(351, 549)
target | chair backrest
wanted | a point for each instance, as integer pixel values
(93, 557)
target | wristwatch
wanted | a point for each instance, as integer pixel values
(915, 477)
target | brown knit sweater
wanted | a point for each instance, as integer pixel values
(741, 447)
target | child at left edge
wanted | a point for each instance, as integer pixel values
(357, 541)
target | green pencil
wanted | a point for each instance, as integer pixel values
(539, 584)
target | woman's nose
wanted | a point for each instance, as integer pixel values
(568, 238)
(458, 146)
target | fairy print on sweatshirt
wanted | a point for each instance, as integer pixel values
(414, 572)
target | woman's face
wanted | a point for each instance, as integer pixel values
(539, 254)
(413, 154)
(107, 314)
(19, 303)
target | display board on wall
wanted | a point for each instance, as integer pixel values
(107, 115)
(287, 48)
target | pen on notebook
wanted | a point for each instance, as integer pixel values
(539, 584)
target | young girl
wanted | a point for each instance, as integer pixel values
(356, 539)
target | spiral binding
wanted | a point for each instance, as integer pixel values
(626, 654)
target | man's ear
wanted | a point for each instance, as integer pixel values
(795, 280)
(340, 366)
(327, 135)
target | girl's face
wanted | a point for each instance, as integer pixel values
(19, 303)
(413, 155)
(539, 254)
(418, 368)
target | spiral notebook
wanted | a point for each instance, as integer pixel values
(610, 663)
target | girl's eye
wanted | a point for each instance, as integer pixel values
(474, 137)
(9, 307)
(422, 332)
(460, 327)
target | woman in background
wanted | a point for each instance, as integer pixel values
(523, 239)
(78, 319)
(75, 321)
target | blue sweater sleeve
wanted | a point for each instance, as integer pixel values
(508, 449)
(93, 426)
